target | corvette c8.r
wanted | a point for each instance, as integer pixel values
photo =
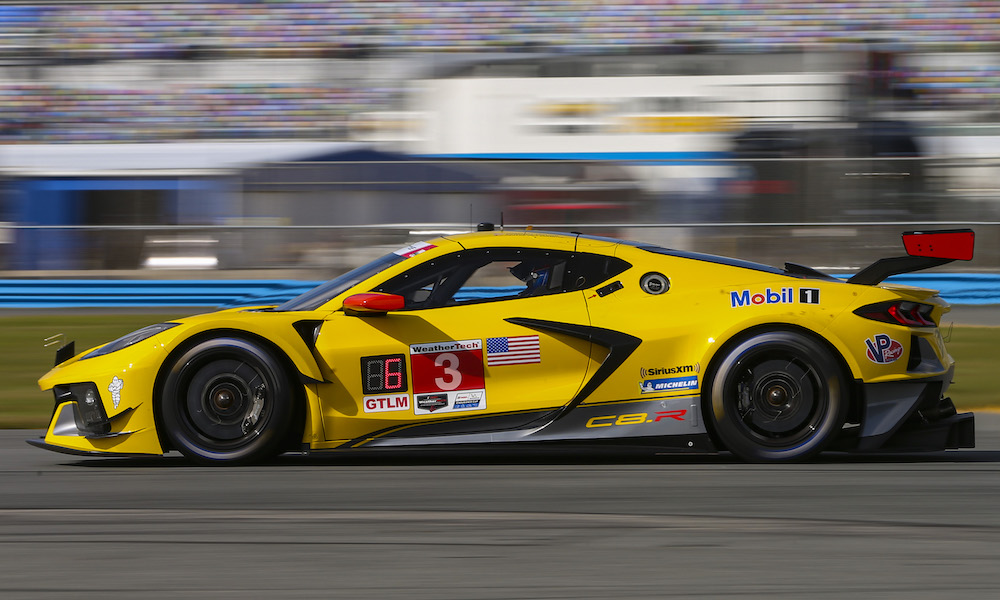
(497, 337)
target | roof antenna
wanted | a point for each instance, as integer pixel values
(501, 220)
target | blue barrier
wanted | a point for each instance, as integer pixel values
(956, 288)
(76, 293)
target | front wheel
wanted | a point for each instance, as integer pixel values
(227, 401)
(776, 397)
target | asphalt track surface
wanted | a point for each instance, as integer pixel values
(512, 525)
(567, 524)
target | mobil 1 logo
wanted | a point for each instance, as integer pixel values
(808, 295)
(784, 295)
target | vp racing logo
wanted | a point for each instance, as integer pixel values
(883, 350)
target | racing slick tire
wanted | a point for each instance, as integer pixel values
(778, 396)
(226, 401)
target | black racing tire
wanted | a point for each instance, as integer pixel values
(227, 401)
(778, 396)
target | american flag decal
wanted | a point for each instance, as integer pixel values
(519, 350)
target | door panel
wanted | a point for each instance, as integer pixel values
(455, 366)
(671, 320)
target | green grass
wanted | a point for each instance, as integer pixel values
(23, 359)
(976, 351)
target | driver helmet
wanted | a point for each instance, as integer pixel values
(535, 276)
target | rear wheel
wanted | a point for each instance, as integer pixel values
(227, 401)
(777, 396)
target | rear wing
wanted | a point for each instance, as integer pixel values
(924, 249)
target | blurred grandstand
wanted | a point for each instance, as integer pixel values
(320, 28)
(790, 126)
(66, 77)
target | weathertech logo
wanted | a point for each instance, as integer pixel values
(768, 296)
(446, 346)
(432, 402)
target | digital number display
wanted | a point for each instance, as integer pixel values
(381, 374)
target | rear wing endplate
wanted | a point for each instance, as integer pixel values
(924, 249)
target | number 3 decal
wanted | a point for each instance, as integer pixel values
(448, 377)
(450, 366)
(452, 376)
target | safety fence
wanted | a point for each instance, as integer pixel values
(321, 251)
(956, 288)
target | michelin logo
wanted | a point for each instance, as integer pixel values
(671, 384)
(116, 390)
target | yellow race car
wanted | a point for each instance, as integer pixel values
(496, 337)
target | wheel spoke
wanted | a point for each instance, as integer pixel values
(256, 375)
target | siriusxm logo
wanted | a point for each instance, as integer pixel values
(670, 384)
(654, 371)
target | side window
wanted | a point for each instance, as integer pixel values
(491, 281)
(590, 270)
(424, 293)
(424, 285)
(492, 274)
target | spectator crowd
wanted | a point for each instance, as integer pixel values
(317, 27)
(66, 33)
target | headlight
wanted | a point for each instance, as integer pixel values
(133, 338)
(90, 414)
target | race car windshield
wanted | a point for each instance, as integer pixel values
(322, 294)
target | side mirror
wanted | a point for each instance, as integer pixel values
(372, 304)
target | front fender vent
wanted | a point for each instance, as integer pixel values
(309, 331)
